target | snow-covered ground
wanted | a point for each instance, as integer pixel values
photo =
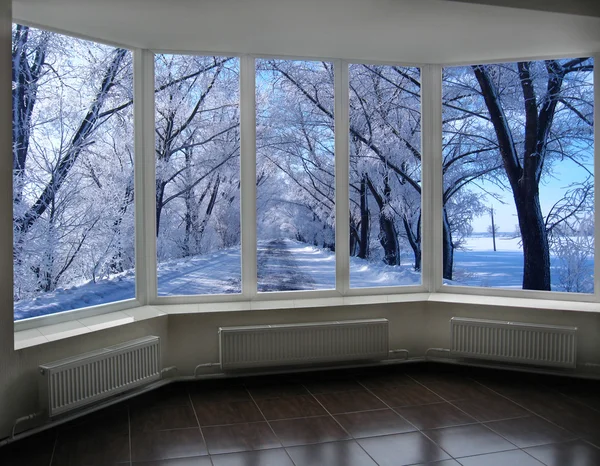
(285, 265)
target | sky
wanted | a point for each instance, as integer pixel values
(551, 190)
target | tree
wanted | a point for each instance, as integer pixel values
(528, 116)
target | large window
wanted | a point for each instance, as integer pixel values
(518, 164)
(385, 176)
(197, 174)
(517, 161)
(295, 175)
(73, 210)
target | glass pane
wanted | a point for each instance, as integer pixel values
(385, 176)
(295, 175)
(197, 175)
(519, 175)
(73, 206)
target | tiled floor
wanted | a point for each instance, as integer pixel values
(413, 414)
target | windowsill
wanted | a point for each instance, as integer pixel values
(49, 333)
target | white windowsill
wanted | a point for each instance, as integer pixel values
(49, 333)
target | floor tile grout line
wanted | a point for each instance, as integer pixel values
(53, 448)
(526, 408)
(338, 422)
(269, 424)
(129, 435)
(199, 426)
(418, 430)
(457, 407)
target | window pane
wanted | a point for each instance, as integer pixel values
(197, 175)
(295, 175)
(385, 176)
(73, 210)
(519, 175)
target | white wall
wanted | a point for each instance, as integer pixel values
(375, 29)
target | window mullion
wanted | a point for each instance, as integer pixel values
(596, 171)
(431, 98)
(248, 174)
(342, 201)
(145, 166)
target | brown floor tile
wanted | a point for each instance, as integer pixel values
(434, 416)
(402, 449)
(202, 394)
(455, 388)
(213, 414)
(290, 407)
(331, 454)
(348, 402)
(308, 430)
(33, 451)
(192, 461)
(83, 449)
(373, 423)
(385, 380)
(162, 418)
(276, 457)
(332, 386)
(112, 418)
(263, 392)
(407, 395)
(440, 463)
(174, 394)
(239, 437)
(574, 453)
(505, 458)
(167, 444)
(530, 431)
(469, 440)
(491, 408)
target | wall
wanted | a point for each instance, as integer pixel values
(192, 339)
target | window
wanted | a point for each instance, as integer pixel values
(518, 154)
(295, 175)
(385, 176)
(517, 206)
(197, 175)
(73, 210)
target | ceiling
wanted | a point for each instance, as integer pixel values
(575, 7)
(404, 31)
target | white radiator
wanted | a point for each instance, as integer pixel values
(299, 344)
(518, 342)
(86, 378)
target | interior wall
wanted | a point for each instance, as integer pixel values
(192, 339)
(437, 326)
(9, 371)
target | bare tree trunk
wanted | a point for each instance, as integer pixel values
(414, 240)
(363, 249)
(524, 178)
(388, 236)
(447, 248)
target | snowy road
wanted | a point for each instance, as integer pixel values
(278, 269)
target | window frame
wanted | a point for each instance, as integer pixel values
(146, 292)
(520, 293)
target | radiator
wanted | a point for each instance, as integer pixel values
(87, 378)
(518, 342)
(301, 344)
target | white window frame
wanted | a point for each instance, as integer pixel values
(505, 292)
(431, 198)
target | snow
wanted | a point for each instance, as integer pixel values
(285, 265)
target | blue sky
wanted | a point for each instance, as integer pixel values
(551, 190)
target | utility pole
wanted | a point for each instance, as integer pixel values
(493, 228)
